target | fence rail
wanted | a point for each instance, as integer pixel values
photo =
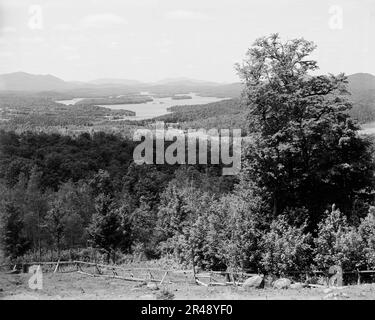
(159, 275)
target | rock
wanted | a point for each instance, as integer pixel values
(152, 286)
(254, 282)
(297, 285)
(282, 283)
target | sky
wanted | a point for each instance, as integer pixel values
(149, 40)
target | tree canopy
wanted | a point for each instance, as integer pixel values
(304, 148)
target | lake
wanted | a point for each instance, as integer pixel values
(155, 108)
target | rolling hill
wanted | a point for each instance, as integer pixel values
(362, 89)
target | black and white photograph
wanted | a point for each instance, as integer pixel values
(187, 150)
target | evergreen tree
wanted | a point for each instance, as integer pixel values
(35, 209)
(12, 231)
(105, 227)
(55, 223)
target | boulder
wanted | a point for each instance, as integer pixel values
(254, 282)
(297, 285)
(282, 283)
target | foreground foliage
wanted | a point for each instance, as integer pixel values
(303, 154)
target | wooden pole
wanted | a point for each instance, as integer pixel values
(162, 280)
(57, 266)
(98, 269)
(116, 277)
(201, 283)
(193, 263)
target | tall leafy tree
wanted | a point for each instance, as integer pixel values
(12, 235)
(55, 223)
(105, 228)
(35, 210)
(77, 207)
(303, 147)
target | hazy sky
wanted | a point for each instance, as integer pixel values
(153, 39)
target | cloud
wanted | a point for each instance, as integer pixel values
(63, 27)
(32, 40)
(103, 20)
(67, 48)
(73, 57)
(186, 15)
(8, 29)
(164, 45)
(114, 44)
(6, 54)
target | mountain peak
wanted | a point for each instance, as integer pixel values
(361, 82)
(23, 81)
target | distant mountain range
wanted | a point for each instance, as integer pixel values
(186, 81)
(22, 81)
(361, 86)
(116, 82)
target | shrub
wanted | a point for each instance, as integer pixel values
(240, 242)
(285, 248)
(338, 243)
(367, 232)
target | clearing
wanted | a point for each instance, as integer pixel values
(78, 286)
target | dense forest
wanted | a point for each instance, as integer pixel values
(35, 111)
(229, 113)
(304, 198)
(123, 99)
(47, 171)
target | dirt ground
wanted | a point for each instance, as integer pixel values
(77, 286)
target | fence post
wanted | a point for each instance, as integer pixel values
(359, 277)
(57, 266)
(162, 280)
(192, 259)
